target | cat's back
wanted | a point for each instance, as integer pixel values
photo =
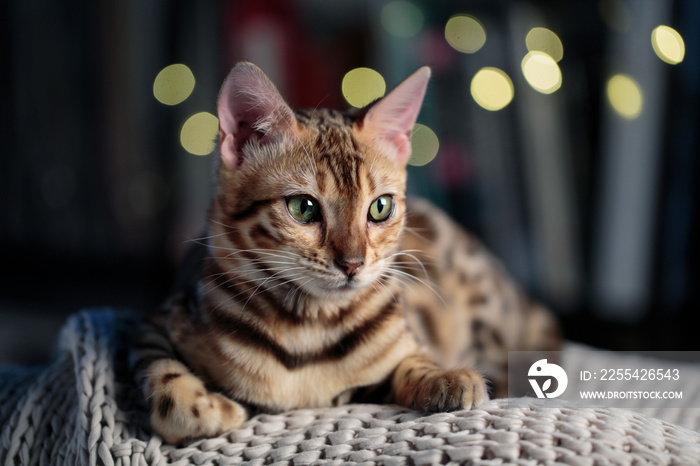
(460, 301)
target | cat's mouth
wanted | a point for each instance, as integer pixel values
(344, 288)
(341, 291)
(337, 288)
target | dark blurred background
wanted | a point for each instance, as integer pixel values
(585, 191)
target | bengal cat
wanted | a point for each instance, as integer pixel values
(319, 281)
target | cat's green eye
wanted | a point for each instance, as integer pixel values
(381, 208)
(303, 208)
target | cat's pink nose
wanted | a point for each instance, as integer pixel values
(349, 267)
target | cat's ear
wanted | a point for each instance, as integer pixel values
(391, 119)
(250, 108)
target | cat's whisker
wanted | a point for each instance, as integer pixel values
(416, 232)
(254, 250)
(202, 243)
(410, 268)
(313, 112)
(269, 265)
(408, 254)
(420, 251)
(298, 276)
(201, 239)
(262, 251)
(411, 264)
(265, 278)
(264, 259)
(268, 258)
(303, 292)
(274, 275)
(380, 281)
(230, 227)
(298, 289)
(291, 292)
(428, 260)
(234, 270)
(410, 277)
(251, 263)
(264, 262)
(231, 280)
(273, 287)
(400, 280)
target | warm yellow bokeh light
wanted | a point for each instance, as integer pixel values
(544, 40)
(465, 33)
(173, 84)
(492, 88)
(198, 133)
(625, 96)
(424, 145)
(541, 72)
(363, 86)
(668, 44)
(402, 19)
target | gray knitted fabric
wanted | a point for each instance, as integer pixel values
(84, 409)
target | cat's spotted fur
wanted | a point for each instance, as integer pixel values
(293, 307)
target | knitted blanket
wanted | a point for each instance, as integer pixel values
(85, 409)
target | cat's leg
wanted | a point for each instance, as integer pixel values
(420, 383)
(181, 408)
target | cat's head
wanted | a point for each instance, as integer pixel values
(312, 199)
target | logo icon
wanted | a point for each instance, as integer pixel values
(541, 369)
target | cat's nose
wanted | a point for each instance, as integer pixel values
(349, 267)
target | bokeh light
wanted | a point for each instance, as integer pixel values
(545, 40)
(492, 89)
(363, 86)
(198, 133)
(173, 84)
(424, 145)
(465, 33)
(668, 44)
(625, 96)
(541, 72)
(402, 19)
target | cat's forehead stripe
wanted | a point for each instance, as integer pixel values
(335, 149)
(345, 169)
(333, 141)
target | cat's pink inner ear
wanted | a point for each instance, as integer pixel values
(250, 108)
(391, 119)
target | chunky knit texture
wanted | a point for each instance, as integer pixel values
(84, 409)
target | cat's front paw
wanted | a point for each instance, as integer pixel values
(450, 391)
(182, 409)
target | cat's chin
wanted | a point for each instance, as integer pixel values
(338, 293)
(344, 292)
